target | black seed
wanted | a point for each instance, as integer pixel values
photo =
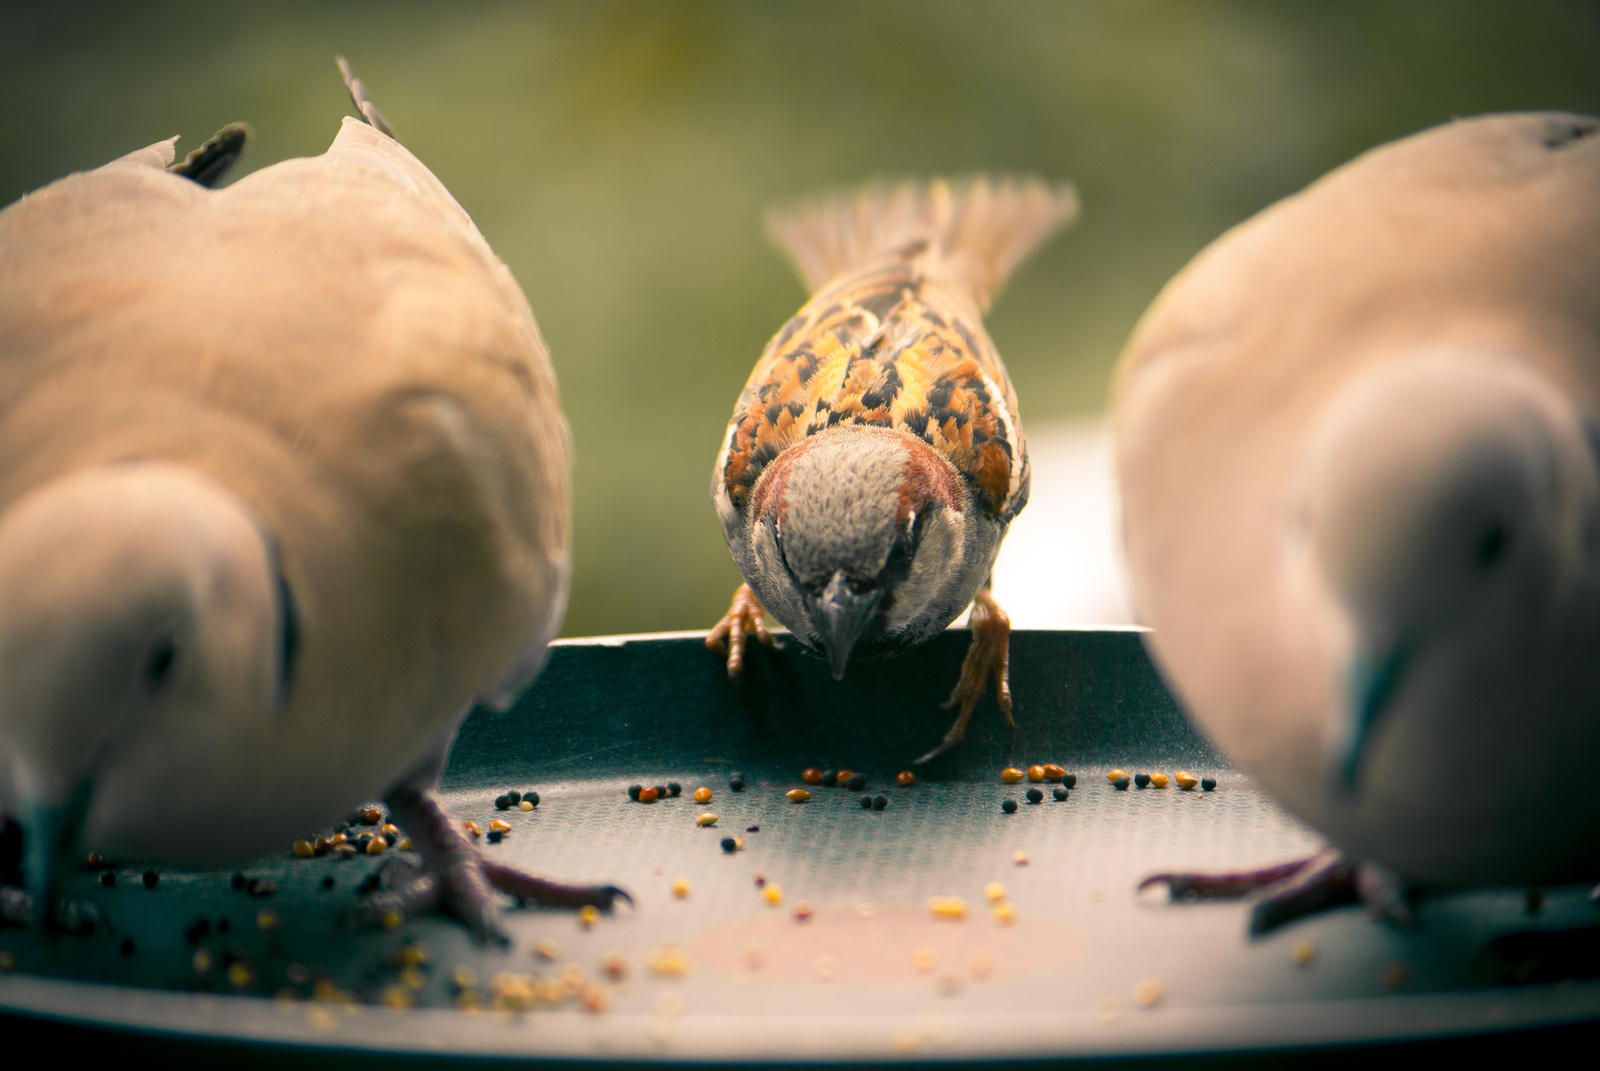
(661, 792)
(856, 783)
(263, 887)
(197, 932)
(879, 802)
(151, 879)
(108, 878)
(752, 829)
(496, 836)
(866, 803)
(239, 880)
(223, 926)
(531, 797)
(1207, 784)
(327, 882)
(128, 947)
(736, 781)
(368, 884)
(830, 777)
(1121, 783)
(633, 792)
(1534, 901)
(674, 789)
(390, 838)
(1034, 795)
(516, 797)
(1141, 779)
(1009, 806)
(729, 844)
(1060, 793)
(1071, 780)
(503, 803)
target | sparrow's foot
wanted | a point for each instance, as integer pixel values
(456, 877)
(745, 616)
(989, 652)
(16, 906)
(1290, 891)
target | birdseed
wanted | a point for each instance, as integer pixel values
(501, 824)
(496, 836)
(588, 915)
(530, 800)
(702, 795)
(634, 791)
(371, 816)
(1159, 780)
(994, 892)
(866, 803)
(1011, 775)
(1035, 773)
(1034, 795)
(947, 908)
(811, 776)
(830, 778)
(1114, 774)
(674, 789)
(797, 795)
(879, 802)
(1186, 780)
(844, 775)
(772, 894)
(108, 878)
(1121, 783)
(670, 961)
(1004, 913)
(1060, 793)
(706, 819)
(648, 795)
(473, 829)
(680, 889)
(1020, 858)
(267, 921)
(1009, 806)
(905, 777)
(729, 845)
(614, 965)
(1142, 780)
(803, 911)
(1303, 954)
(377, 845)
(1071, 780)
(1148, 992)
(303, 849)
(1208, 784)
(525, 805)
(661, 792)
(151, 879)
(1054, 773)
(736, 781)
(856, 782)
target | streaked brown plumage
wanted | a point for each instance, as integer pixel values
(888, 358)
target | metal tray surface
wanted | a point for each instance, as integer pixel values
(870, 974)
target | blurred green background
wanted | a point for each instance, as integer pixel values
(618, 156)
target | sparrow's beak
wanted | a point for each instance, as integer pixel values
(842, 616)
(1372, 684)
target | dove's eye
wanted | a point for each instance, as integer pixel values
(158, 664)
(1491, 546)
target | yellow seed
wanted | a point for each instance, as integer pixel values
(1004, 913)
(202, 961)
(950, 908)
(337, 839)
(994, 891)
(472, 828)
(980, 965)
(1148, 992)
(388, 827)
(8, 963)
(1020, 858)
(588, 915)
(669, 961)
(525, 805)
(738, 844)
(772, 894)
(1114, 774)
(501, 824)
(412, 977)
(377, 846)
(1035, 773)
(1159, 780)
(404, 845)
(464, 977)
(1011, 775)
(267, 920)
(392, 919)
(797, 795)
(680, 889)
(706, 819)
(702, 795)
(1303, 953)
(1185, 779)
(239, 976)
(303, 849)
(924, 960)
(411, 955)
(397, 996)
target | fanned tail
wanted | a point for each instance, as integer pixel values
(977, 230)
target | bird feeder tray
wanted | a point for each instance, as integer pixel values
(866, 956)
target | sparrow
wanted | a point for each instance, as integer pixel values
(1361, 484)
(876, 455)
(283, 493)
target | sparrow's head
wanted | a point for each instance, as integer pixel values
(144, 636)
(1451, 509)
(862, 542)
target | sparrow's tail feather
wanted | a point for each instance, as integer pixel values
(977, 230)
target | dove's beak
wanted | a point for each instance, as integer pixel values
(842, 616)
(1371, 685)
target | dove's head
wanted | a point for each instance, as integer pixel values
(1450, 506)
(863, 544)
(142, 619)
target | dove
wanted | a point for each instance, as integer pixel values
(283, 493)
(876, 455)
(1360, 478)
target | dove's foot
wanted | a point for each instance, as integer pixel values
(745, 616)
(456, 877)
(989, 653)
(1291, 891)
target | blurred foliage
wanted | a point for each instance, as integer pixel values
(618, 155)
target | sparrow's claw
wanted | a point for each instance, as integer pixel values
(745, 616)
(989, 652)
(456, 877)
(1289, 891)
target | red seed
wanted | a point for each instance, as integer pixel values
(906, 777)
(648, 795)
(813, 776)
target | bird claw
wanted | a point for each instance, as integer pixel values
(988, 653)
(745, 616)
(455, 876)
